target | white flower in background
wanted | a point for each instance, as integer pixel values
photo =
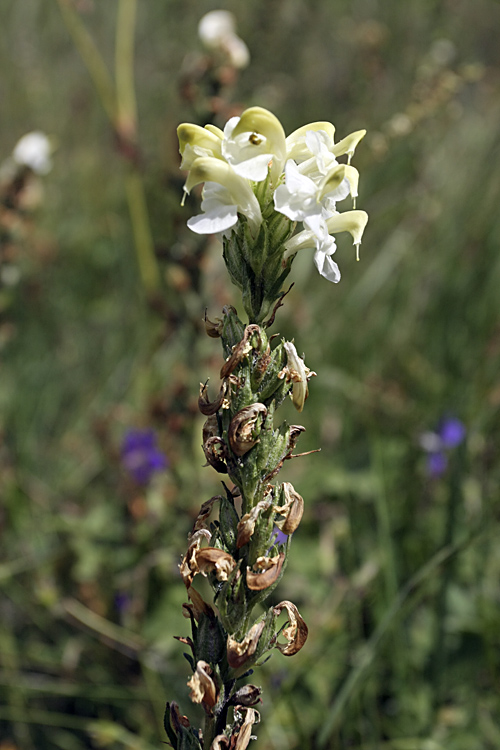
(298, 176)
(33, 150)
(217, 31)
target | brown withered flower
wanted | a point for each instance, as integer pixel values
(296, 372)
(207, 407)
(241, 431)
(213, 329)
(203, 688)
(216, 453)
(189, 567)
(292, 510)
(243, 733)
(211, 559)
(295, 632)
(246, 526)
(239, 352)
(268, 570)
(239, 652)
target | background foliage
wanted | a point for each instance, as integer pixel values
(395, 571)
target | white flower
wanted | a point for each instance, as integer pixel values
(254, 143)
(33, 151)
(353, 222)
(217, 31)
(220, 213)
(221, 205)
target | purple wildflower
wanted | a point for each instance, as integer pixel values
(141, 456)
(437, 463)
(450, 433)
(278, 537)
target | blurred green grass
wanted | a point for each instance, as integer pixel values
(395, 573)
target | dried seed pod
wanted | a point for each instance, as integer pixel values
(246, 526)
(296, 631)
(207, 407)
(292, 509)
(241, 431)
(248, 695)
(239, 352)
(215, 452)
(269, 569)
(213, 329)
(203, 688)
(239, 652)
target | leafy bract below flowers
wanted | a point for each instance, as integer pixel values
(252, 173)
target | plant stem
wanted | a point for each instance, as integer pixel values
(148, 268)
(126, 119)
(91, 57)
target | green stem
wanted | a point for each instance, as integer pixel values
(148, 267)
(208, 732)
(126, 123)
(91, 57)
(438, 658)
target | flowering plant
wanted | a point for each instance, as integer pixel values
(258, 185)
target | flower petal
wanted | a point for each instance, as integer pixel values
(326, 266)
(215, 221)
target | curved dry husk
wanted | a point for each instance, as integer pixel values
(295, 632)
(239, 352)
(269, 570)
(246, 525)
(203, 688)
(242, 428)
(207, 407)
(239, 652)
(292, 510)
(215, 452)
